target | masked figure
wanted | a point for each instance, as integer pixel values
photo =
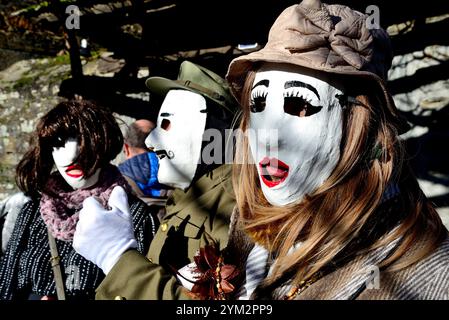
(189, 139)
(329, 209)
(78, 139)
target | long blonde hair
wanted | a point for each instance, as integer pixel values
(343, 209)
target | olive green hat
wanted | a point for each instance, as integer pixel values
(197, 79)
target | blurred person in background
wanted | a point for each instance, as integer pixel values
(141, 165)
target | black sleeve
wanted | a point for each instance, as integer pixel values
(10, 271)
(145, 223)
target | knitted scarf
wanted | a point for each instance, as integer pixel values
(61, 213)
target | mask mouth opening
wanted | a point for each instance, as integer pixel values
(273, 171)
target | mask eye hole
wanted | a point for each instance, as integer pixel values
(59, 141)
(166, 124)
(298, 106)
(258, 105)
(258, 102)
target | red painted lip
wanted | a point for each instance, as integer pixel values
(273, 171)
(74, 171)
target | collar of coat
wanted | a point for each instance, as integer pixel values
(201, 195)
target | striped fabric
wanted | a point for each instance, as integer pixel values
(361, 278)
(426, 280)
(256, 270)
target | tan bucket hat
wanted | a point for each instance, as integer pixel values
(329, 38)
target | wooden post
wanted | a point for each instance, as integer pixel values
(72, 43)
(74, 52)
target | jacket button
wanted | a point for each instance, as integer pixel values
(119, 298)
(164, 227)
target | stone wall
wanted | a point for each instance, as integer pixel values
(424, 98)
(28, 88)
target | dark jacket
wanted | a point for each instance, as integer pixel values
(25, 271)
(203, 210)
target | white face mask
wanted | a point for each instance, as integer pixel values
(64, 158)
(178, 136)
(307, 147)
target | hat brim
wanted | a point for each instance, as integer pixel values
(160, 86)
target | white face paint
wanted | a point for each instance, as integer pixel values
(308, 119)
(64, 158)
(178, 136)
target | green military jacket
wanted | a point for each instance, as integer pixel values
(202, 210)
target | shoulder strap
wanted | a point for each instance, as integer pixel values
(54, 261)
(134, 186)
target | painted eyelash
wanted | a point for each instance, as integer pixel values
(258, 94)
(297, 94)
(257, 101)
(298, 105)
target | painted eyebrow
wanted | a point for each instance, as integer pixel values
(265, 83)
(291, 84)
(166, 114)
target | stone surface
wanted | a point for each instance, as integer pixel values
(426, 107)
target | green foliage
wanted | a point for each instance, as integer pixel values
(23, 82)
(31, 8)
(38, 6)
(63, 59)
